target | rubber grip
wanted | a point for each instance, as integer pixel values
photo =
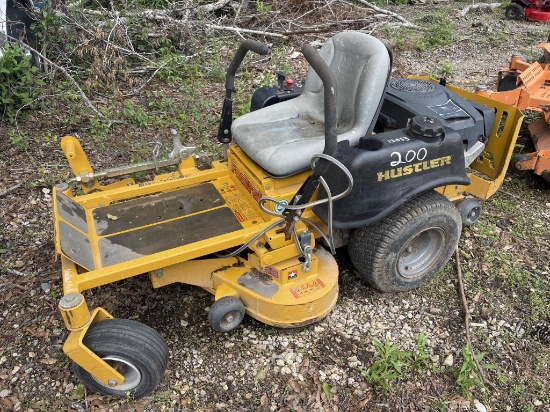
(255, 46)
(329, 84)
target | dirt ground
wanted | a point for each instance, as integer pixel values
(505, 260)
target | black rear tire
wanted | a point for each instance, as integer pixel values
(508, 82)
(133, 349)
(407, 248)
(514, 12)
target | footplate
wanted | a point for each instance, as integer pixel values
(127, 230)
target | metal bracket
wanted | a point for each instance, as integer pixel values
(178, 153)
(305, 244)
(75, 349)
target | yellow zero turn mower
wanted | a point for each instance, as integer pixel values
(390, 168)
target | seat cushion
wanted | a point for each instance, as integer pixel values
(277, 135)
(283, 138)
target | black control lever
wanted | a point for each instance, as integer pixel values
(308, 188)
(224, 130)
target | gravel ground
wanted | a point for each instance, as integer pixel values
(317, 368)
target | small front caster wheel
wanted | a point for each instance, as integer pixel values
(226, 314)
(470, 210)
(133, 349)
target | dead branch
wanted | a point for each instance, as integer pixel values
(15, 272)
(209, 8)
(10, 189)
(161, 66)
(468, 318)
(488, 6)
(403, 20)
(240, 30)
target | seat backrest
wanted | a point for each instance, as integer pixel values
(361, 64)
(283, 138)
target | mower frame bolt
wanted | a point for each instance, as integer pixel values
(71, 300)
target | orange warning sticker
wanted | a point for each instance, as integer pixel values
(240, 207)
(307, 287)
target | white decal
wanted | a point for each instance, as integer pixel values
(409, 157)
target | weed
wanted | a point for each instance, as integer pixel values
(389, 366)
(163, 399)
(261, 7)
(468, 376)
(46, 178)
(446, 69)
(136, 115)
(49, 137)
(344, 393)
(326, 390)
(99, 129)
(19, 139)
(540, 363)
(437, 35)
(79, 391)
(17, 81)
(277, 62)
(501, 377)
(420, 356)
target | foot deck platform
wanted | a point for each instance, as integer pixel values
(126, 230)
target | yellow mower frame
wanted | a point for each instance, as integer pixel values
(300, 296)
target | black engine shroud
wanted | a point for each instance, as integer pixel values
(434, 128)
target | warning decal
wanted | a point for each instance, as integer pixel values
(307, 287)
(241, 208)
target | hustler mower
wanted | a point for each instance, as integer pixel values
(390, 168)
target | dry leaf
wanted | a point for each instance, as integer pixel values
(264, 399)
(361, 404)
(48, 361)
(459, 401)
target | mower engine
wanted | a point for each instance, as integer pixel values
(425, 136)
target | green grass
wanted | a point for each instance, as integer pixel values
(468, 377)
(437, 31)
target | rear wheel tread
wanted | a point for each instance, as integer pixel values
(368, 246)
(126, 328)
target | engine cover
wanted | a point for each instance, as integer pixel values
(406, 98)
(391, 167)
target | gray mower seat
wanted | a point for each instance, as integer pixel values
(282, 138)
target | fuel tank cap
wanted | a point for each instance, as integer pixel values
(425, 126)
